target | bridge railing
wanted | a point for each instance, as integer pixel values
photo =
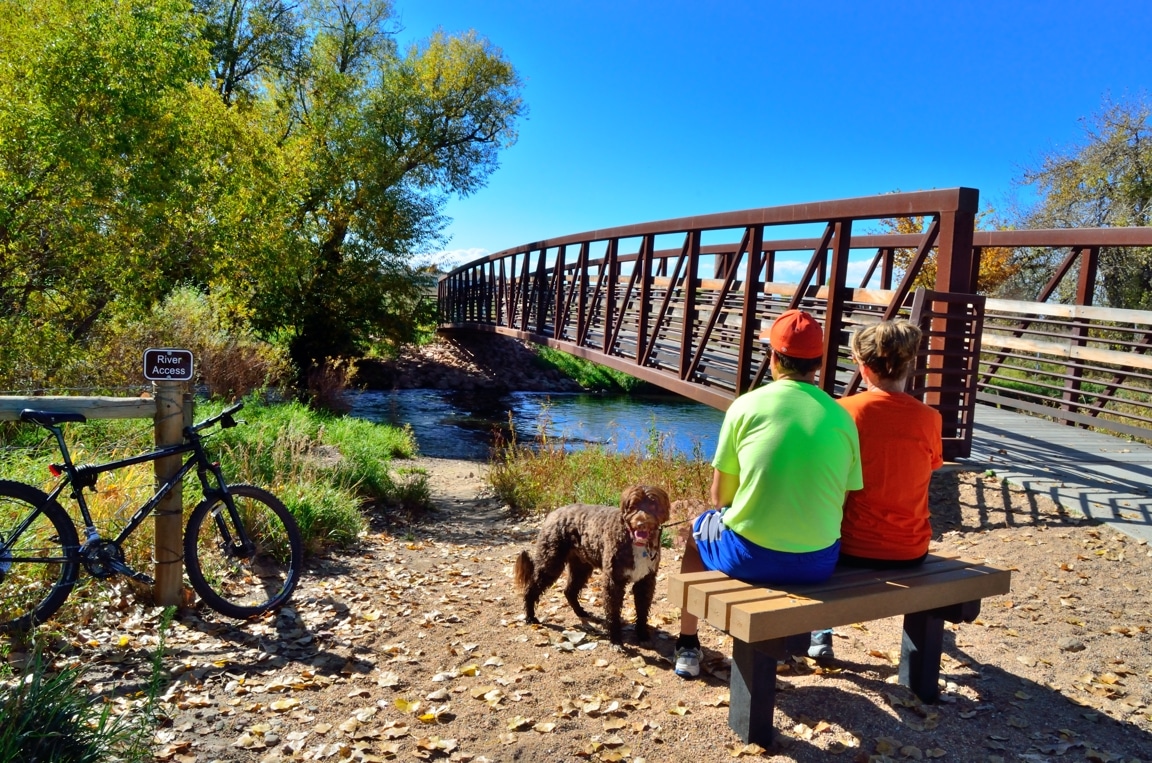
(674, 303)
(1081, 365)
(1057, 355)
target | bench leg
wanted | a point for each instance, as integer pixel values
(920, 652)
(923, 645)
(752, 699)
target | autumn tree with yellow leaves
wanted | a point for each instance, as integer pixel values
(997, 264)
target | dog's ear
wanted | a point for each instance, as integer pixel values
(630, 497)
(660, 498)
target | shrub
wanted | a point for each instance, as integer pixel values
(537, 477)
(327, 382)
(230, 360)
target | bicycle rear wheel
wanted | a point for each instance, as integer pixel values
(39, 562)
(231, 580)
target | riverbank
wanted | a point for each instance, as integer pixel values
(464, 361)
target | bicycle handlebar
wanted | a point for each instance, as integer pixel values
(225, 416)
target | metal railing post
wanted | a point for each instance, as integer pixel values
(954, 274)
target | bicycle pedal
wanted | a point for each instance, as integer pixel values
(127, 571)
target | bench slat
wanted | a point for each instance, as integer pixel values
(717, 609)
(677, 581)
(701, 593)
(787, 615)
(710, 594)
(678, 584)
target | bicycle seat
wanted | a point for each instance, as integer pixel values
(51, 418)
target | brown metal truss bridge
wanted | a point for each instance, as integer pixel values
(681, 303)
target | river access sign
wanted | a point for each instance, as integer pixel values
(167, 364)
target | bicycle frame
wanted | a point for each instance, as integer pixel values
(242, 552)
(80, 477)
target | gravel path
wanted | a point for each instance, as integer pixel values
(413, 646)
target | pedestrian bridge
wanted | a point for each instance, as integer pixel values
(681, 303)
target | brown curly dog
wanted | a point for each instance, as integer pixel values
(624, 542)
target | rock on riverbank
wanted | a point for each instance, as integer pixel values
(465, 361)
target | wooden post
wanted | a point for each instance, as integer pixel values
(173, 413)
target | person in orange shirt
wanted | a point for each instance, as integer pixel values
(887, 524)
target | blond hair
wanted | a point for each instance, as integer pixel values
(888, 348)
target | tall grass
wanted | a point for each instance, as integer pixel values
(326, 469)
(537, 476)
(50, 717)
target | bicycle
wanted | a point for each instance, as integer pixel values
(242, 548)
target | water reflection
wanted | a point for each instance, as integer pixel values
(456, 424)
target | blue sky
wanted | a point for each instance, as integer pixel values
(644, 111)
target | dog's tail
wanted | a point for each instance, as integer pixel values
(525, 570)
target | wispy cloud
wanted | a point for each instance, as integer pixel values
(790, 271)
(449, 258)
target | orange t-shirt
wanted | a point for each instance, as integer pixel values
(900, 446)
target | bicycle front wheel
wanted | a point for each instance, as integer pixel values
(237, 578)
(39, 554)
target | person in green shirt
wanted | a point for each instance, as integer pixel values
(786, 456)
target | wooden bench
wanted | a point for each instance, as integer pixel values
(764, 622)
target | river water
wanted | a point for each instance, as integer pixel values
(454, 424)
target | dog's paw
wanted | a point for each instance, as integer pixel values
(531, 621)
(643, 636)
(617, 647)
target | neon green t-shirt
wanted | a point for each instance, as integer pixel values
(796, 452)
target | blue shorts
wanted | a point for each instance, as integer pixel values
(726, 551)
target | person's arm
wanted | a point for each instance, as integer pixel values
(723, 488)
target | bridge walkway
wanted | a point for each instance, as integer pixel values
(1100, 476)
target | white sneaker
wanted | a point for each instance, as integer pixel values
(688, 662)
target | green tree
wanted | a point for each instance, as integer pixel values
(1104, 181)
(90, 112)
(283, 158)
(250, 40)
(378, 138)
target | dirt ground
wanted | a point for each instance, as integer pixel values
(414, 646)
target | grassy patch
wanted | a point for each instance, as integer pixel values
(325, 468)
(587, 374)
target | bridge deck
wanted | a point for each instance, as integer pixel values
(1100, 476)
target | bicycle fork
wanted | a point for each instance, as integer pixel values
(238, 543)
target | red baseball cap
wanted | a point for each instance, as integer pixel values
(796, 334)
